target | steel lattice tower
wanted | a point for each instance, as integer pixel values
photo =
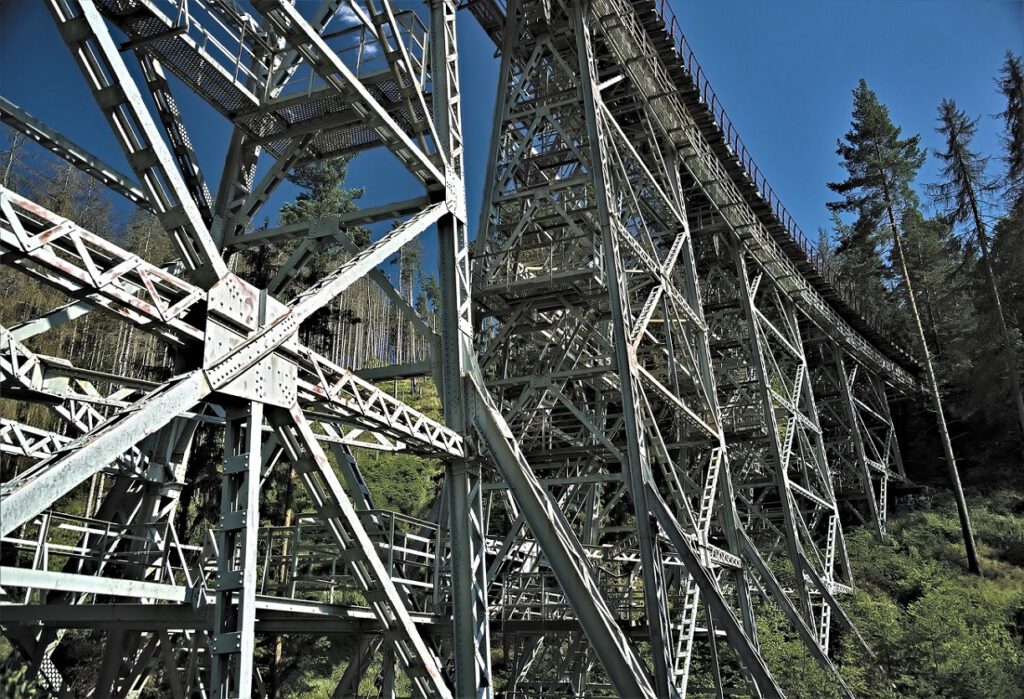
(658, 405)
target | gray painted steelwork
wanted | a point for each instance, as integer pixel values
(656, 408)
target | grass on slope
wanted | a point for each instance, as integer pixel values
(936, 631)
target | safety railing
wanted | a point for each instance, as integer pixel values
(822, 263)
(537, 596)
(57, 542)
(303, 560)
(224, 31)
(233, 39)
(358, 46)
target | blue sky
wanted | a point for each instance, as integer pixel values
(784, 71)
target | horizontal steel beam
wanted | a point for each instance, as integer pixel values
(328, 227)
(89, 584)
(20, 120)
(275, 615)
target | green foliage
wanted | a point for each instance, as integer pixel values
(1000, 524)
(880, 167)
(933, 257)
(404, 482)
(401, 482)
(1011, 84)
(323, 194)
(14, 680)
(936, 630)
(963, 170)
(959, 261)
(799, 675)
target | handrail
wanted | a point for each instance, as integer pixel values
(824, 266)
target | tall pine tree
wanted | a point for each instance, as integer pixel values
(960, 195)
(323, 194)
(934, 255)
(1011, 84)
(1008, 243)
(861, 245)
(881, 167)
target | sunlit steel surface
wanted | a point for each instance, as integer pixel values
(659, 404)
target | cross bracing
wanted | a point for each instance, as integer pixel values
(658, 410)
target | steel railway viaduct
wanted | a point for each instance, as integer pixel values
(659, 405)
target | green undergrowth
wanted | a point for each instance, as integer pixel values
(936, 631)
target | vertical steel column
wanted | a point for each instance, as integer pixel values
(387, 673)
(867, 483)
(568, 561)
(834, 541)
(359, 662)
(464, 496)
(892, 446)
(781, 475)
(638, 465)
(234, 621)
(728, 516)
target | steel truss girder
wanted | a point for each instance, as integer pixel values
(571, 199)
(331, 392)
(24, 440)
(621, 456)
(858, 431)
(784, 482)
(57, 475)
(114, 88)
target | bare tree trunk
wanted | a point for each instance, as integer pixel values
(973, 563)
(929, 308)
(17, 141)
(90, 502)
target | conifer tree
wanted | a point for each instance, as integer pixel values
(861, 244)
(934, 254)
(1008, 243)
(1011, 84)
(960, 195)
(323, 194)
(881, 167)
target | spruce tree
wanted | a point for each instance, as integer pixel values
(934, 255)
(323, 195)
(1011, 84)
(881, 167)
(1008, 242)
(960, 195)
(860, 246)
